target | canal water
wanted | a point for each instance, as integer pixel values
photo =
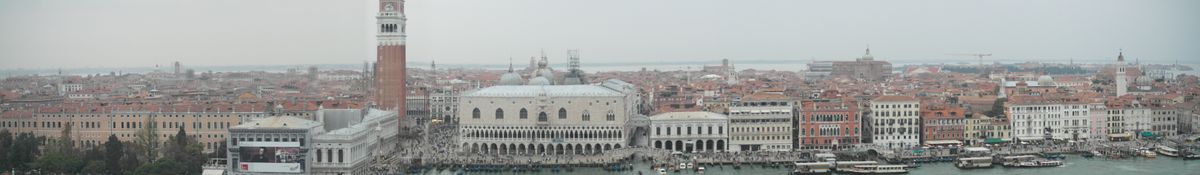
(1074, 165)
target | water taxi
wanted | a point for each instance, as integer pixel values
(808, 168)
(839, 165)
(1147, 153)
(973, 162)
(876, 169)
(974, 157)
(662, 171)
(1167, 151)
(1029, 161)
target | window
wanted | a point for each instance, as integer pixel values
(475, 113)
(542, 117)
(340, 155)
(524, 113)
(586, 116)
(610, 116)
(499, 113)
(562, 113)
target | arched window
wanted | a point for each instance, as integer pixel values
(524, 113)
(586, 116)
(610, 116)
(475, 113)
(499, 113)
(562, 113)
(542, 117)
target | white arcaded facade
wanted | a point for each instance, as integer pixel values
(689, 131)
(547, 119)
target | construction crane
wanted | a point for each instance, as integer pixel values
(980, 55)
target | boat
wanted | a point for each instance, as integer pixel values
(1167, 151)
(839, 165)
(700, 169)
(973, 162)
(1040, 163)
(1029, 161)
(662, 171)
(812, 168)
(876, 169)
(1191, 156)
(1147, 153)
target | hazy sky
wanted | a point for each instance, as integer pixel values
(139, 33)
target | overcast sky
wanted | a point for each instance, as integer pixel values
(140, 33)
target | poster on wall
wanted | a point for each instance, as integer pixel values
(271, 159)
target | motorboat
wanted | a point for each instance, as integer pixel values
(876, 169)
(973, 162)
(812, 168)
(1167, 151)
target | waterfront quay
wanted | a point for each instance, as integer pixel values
(433, 152)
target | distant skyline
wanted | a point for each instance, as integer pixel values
(144, 33)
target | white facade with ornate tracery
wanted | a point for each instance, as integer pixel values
(546, 119)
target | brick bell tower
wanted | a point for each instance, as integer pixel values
(390, 71)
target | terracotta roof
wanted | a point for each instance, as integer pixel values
(894, 98)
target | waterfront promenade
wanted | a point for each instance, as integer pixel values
(434, 150)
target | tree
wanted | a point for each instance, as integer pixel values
(65, 143)
(113, 151)
(24, 149)
(130, 161)
(186, 151)
(57, 162)
(6, 141)
(93, 154)
(997, 108)
(165, 166)
(95, 167)
(147, 142)
(222, 150)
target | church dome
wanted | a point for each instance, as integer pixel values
(539, 81)
(511, 79)
(547, 73)
(1045, 80)
(1144, 80)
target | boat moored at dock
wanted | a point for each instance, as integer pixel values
(876, 169)
(812, 168)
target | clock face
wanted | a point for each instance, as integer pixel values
(388, 7)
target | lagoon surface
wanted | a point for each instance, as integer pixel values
(1075, 165)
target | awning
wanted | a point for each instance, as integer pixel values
(1121, 135)
(1147, 134)
(994, 140)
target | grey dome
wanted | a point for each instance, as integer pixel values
(511, 79)
(1045, 80)
(539, 81)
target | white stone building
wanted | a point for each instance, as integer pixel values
(443, 106)
(689, 131)
(340, 141)
(895, 121)
(761, 126)
(547, 119)
(1098, 122)
(1037, 119)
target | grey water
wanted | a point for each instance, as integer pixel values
(1074, 165)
